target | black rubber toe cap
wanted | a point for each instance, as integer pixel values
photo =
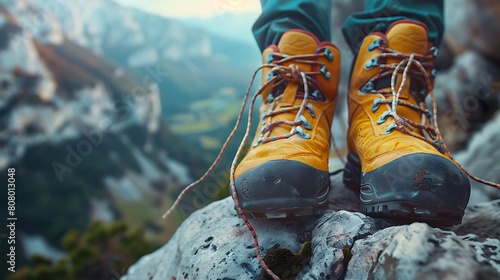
(282, 186)
(421, 178)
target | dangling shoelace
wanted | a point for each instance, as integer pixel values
(430, 134)
(279, 74)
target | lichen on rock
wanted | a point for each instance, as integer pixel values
(285, 264)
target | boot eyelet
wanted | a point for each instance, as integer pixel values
(376, 104)
(310, 108)
(435, 51)
(390, 129)
(315, 95)
(270, 58)
(384, 116)
(374, 45)
(328, 54)
(302, 134)
(371, 63)
(305, 123)
(324, 71)
(367, 88)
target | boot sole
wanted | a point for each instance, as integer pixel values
(285, 213)
(414, 188)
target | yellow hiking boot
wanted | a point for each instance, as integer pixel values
(395, 161)
(285, 172)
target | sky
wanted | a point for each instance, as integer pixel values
(194, 8)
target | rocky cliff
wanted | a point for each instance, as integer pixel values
(213, 243)
(85, 133)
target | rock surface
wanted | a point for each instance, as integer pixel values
(473, 97)
(472, 23)
(213, 243)
(481, 159)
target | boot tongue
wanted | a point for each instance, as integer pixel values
(408, 38)
(296, 42)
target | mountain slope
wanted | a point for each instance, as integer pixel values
(84, 133)
(199, 62)
(228, 25)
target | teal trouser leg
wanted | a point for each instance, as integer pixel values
(278, 16)
(314, 15)
(379, 14)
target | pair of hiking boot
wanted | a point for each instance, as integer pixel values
(397, 160)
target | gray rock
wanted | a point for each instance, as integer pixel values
(213, 243)
(465, 104)
(474, 24)
(418, 251)
(481, 159)
(333, 233)
(481, 219)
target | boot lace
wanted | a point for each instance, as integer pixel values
(278, 78)
(417, 66)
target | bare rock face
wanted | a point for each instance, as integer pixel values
(474, 24)
(214, 244)
(418, 251)
(481, 159)
(468, 95)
